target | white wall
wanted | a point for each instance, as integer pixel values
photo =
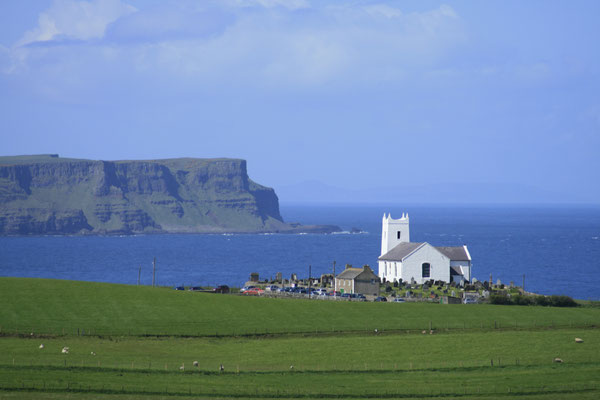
(390, 270)
(389, 232)
(464, 268)
(412, 265)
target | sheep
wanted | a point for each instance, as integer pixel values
(558, 360)
(195, 363)
(42, 346)
(65, 350)
(578, 340)
(92, 353)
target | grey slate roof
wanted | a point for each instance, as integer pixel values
(400, 251)
(350, 273)
(457, 253)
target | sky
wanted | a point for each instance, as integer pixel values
(463, 101)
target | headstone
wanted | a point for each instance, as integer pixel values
(278, 277)
(294, 277)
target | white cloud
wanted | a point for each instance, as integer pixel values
(273, 44)
(78, 20)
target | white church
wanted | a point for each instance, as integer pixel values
(419, 261)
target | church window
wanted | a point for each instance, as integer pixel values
(399, 232)
(426, 269)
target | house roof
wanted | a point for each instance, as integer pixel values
(458, 253)
(400, 251)
(350, 273)
(353, 273)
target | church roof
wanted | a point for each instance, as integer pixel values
(400, 251)
(457, 253)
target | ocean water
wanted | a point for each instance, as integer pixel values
(557, 248)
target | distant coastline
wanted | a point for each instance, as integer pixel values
(49, 195)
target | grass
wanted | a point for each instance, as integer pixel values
(131, 362)
(57, 307)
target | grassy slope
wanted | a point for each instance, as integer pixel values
(447, 364)
(49, 306)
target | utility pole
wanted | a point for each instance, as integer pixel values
(309, 280)
(153, 271)
(333, 276)
(523, 283)
(139, 274)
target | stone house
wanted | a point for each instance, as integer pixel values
(357, 280)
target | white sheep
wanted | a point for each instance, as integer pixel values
(195, 363)
(42, 346)
(65, 350)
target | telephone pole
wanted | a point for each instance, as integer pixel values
(139, 274)
(309, 280)
(153, 272)
(333, 276)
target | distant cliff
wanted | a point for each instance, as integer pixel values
(46, 194)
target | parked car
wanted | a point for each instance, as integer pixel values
(469, 300)
(272, 288)
(399, 300)
(334, 293)
(221, 289)
(179, 288)
(345, 295)
(380, 298)
(254, 292)
(195, 288)
(246, 288)
(360, 297)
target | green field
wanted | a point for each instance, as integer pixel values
(128, 342)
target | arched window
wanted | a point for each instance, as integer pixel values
(426, 270)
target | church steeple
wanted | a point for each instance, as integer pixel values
(394, 231)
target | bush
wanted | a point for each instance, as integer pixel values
(388, 289)
(522, 300)
(500, 299)
(562, 301)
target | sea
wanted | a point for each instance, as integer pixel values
(552, 249)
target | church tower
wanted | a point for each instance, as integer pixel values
(394, 231)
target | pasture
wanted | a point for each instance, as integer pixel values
(128, 342)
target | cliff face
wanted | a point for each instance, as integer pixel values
(51, 195)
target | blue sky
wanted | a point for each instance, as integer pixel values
(357, 95)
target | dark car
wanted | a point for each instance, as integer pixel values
(179, 288)
(380, 298)
(195, 288)
(221, 289)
